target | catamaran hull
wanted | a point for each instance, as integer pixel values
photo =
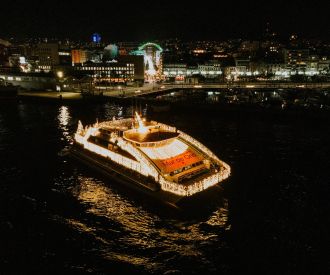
(125, 178)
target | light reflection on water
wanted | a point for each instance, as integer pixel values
(131, 234)
(125, 230)
(63, 121)
(280, 177)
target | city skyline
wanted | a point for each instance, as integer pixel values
(163, 137)
(149, 20)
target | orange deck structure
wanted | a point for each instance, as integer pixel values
(187, 158)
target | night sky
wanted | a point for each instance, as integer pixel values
(147, 20)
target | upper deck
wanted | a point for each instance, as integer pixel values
(151, 135)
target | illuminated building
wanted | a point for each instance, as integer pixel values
(79, 56)
(124, 69)
(31, 81)
(177, 70)
(110, 52)
(138, 62)
(153, 61)
(157, 158)
(210, 70)
(324, 65)
(296, 59)
(65, 57)
(108, 72)
(48, 56)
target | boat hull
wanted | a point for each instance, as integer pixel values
(131, 180)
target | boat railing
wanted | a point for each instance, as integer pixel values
(195, 187)
(123, 144)
(118, 158)
(147, 168)
(164, 126)
(113, 123)
(198, 145)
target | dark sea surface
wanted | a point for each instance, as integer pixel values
(271, 217)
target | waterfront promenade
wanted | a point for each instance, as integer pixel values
(51, 95)
(160, 88)
(149, 89)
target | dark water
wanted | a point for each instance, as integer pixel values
(272, 216)
(277, 99)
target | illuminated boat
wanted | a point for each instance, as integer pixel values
(155, 158)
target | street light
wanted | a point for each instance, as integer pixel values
(60, 75)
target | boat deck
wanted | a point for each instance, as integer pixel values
(155, 136)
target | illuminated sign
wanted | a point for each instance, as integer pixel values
(187, 158)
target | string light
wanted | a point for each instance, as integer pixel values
(146, 158)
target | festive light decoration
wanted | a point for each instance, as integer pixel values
(142, 129)
(182, 153)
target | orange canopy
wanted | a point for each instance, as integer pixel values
(171, 164)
